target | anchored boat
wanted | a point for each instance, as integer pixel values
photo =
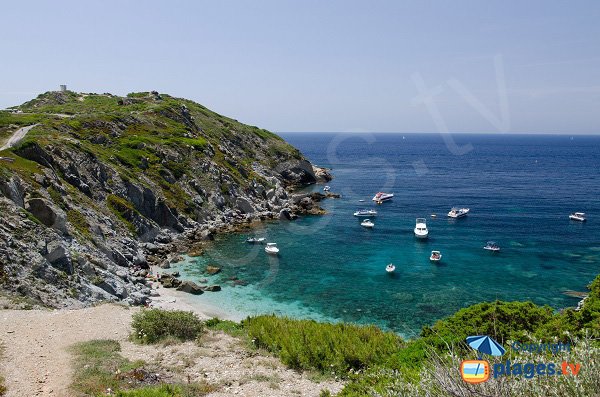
(421, 228)
(272, 249)
(458, 212)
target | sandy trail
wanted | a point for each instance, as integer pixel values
(36, 361)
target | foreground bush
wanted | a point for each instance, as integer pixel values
(328, 348)
(154, 325)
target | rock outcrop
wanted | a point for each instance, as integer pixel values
(89, 202)
(190, 287)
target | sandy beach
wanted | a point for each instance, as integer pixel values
(171, 299)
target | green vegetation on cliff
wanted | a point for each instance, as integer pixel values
(102, 144)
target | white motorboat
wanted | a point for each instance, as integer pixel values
(272, 249)
(458, 212)
(436, 256)
(492, 246)
(254, 240)
(390, 268)
(381, 197)
(365, 213)
(421, 228)
(577, 216)
(367, 223)
(326, 189)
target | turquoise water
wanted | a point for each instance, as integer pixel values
(520, 190)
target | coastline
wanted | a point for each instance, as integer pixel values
(171, 299)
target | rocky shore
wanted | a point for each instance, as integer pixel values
(88, 206)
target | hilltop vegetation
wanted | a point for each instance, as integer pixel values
(101, 175)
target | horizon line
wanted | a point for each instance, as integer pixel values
(440, 133)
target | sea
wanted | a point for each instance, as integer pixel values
(520, 190)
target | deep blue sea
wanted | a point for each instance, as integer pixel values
(520, 189)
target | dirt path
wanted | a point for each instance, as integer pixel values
(36, 361)
(17, 136)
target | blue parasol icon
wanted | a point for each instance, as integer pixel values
(485, 345)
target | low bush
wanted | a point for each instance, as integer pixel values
(227, 326)
(154, 325)
(327, 348)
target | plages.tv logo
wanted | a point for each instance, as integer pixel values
(478, 371)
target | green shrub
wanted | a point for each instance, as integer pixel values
(154, 325)
(500, 320)
(327, 348)
(123, 209)
(79, 222)
(227, 326)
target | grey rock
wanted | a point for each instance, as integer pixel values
(163, 238)
(47, 213)
(297, 172)
(165, 264)
(138, 298)
(244, 205)
(119, 258)
(140, 260)
(152, 248)
(13, 190)
(190, 287)
(285, 214)
(58, 256)
(212, 269)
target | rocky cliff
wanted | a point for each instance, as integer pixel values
(103, 186)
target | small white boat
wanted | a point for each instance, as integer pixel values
(381, 197)
(421, 228)
(365, 213)
(436, 256)
(367, 223)
(492, 246)
(361, 201)
(326, 189)
(458, 212)
(577, 216)
(390, 268)
(253, 240)
(272, 249)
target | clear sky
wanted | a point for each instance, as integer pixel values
(491, 66)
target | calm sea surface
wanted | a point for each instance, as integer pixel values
(520, 189)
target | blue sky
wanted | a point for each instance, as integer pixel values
(493, 66)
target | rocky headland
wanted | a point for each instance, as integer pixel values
(104, 187)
